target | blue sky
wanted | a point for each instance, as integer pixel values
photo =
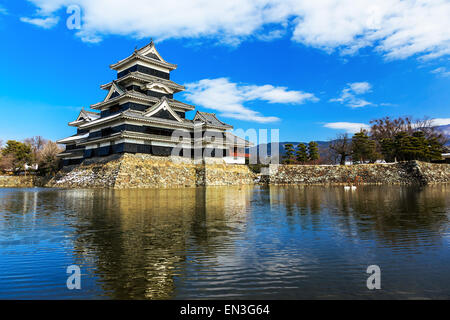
(310, 69)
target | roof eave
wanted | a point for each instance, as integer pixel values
(207, 125)
(167, 65)
(75, 123)
(175, 86)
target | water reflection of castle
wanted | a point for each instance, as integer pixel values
(151, 233)
(146, 243)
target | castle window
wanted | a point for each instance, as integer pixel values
(114, 109)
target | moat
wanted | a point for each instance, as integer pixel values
(248, 242)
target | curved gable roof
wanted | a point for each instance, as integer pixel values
(210, 119)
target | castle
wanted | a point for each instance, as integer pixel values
(140, 115)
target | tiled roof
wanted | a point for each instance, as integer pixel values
(211, 119)
(153, 56)
(118, 88)
(92, 115)
(84, 116)
(73, 138)
(145, 78)
(171, 101)
(145, 55)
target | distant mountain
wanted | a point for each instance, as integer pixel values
(446, 131)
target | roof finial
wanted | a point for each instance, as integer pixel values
(151, 40)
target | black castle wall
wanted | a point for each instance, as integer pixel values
(121, 108)
(132, 106)
(159, 94)
(149, 149)
(128, 148)
(146, 70)
(147, 130)
(132, 128)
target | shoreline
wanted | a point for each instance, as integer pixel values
(138, 171)
(335, 184)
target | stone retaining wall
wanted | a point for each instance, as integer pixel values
(226, 174)
(147, 171)
(434, 172)
(16, 182)
(101, 174)
(413, 172)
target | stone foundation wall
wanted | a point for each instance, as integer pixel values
(101, 174)
(227, 174)
(16, 182)
(147, 171)
(413, 172)
(434, 172)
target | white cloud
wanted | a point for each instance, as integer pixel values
(440, 121)
(350, 127)
(273, 94)
(46, 23)
(229, 97)
(396, 28)
(349, 95)
(360, 87)
(353, 127)
(441, 71)
(271, 35)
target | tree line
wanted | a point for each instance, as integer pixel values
(302, 153)
(399, 139)
(17, 156)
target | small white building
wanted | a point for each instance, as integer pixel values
(446, 157)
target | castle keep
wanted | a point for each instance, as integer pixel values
(140, 115)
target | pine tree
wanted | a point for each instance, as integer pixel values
(435, 149)
(302, 153)
(388, 149)
(313, 151)
(404, 148)
(407, 139)
(363, 148)
(373, 155)
(19, 152)
(420, 150)
(290, 151)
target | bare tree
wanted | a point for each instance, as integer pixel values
(37, 143)
(387, 128)
(48, 160)
(49, 149)
(341, 147)
(327, 156)
(427, 126)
